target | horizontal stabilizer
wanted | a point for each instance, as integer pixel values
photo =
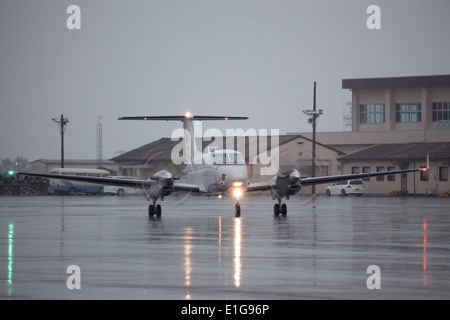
(182, 118)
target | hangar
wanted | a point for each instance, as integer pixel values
(396, 156)
(46, 165)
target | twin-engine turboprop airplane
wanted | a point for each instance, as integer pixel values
(217, 172)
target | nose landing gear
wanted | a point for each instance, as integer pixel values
(238, 210)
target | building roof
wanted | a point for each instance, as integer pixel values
(396, 82)
(156, 150)
(160, 150)
(402, 152)
(322, 145)
(73, 161)
(375, 137)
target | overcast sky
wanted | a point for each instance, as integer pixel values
(254, 58)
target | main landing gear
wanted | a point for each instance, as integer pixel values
(279, 208)
(154, 209)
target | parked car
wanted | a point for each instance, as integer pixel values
(346, 187)
(121, 191)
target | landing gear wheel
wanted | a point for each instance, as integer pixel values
(276, 209)
(238, 210)
(284, 209)
(151, 211)
(280, 209)
(72, 191)
(158, 210)
(154, 210)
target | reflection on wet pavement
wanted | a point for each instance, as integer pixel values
(199, 250)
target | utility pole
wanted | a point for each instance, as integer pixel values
(313, 119)
(62, 123)
(99, 142)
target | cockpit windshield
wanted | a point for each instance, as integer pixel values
(230, 157)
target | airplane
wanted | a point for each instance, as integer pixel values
(218, 172)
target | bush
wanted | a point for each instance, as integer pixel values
(445, 193)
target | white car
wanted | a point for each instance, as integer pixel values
(346, 187)
(121, 191)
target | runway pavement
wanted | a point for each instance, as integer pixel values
(326, 248)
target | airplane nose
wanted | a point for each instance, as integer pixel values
(241, 175)
(235, 174)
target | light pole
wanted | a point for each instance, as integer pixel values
(313, 119)
(62, 123)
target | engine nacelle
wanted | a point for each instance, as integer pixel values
(163, 185)
(288, 183)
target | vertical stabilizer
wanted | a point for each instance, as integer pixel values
(188, 125)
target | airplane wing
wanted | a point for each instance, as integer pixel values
(329, 179)
(186, 187)
(134, 183)
(259, 186)
(290, 181)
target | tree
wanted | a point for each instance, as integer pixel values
(19, 164)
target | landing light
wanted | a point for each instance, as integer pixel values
(188, 115)
(237, 193)
(237, 184)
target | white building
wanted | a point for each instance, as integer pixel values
(46, 165)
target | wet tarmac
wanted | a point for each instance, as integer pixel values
(199, 250)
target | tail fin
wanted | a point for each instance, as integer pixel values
(188, 125)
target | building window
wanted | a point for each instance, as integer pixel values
(355, 170)
(391, 177)
(441, 111)
(380, 169)
(408, 112)
(372, 113)
(443, 173)
(423, 175)
(366, 170)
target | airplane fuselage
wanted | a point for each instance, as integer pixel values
(219, 170)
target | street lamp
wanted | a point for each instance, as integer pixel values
(313, 119)
(62, 123)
